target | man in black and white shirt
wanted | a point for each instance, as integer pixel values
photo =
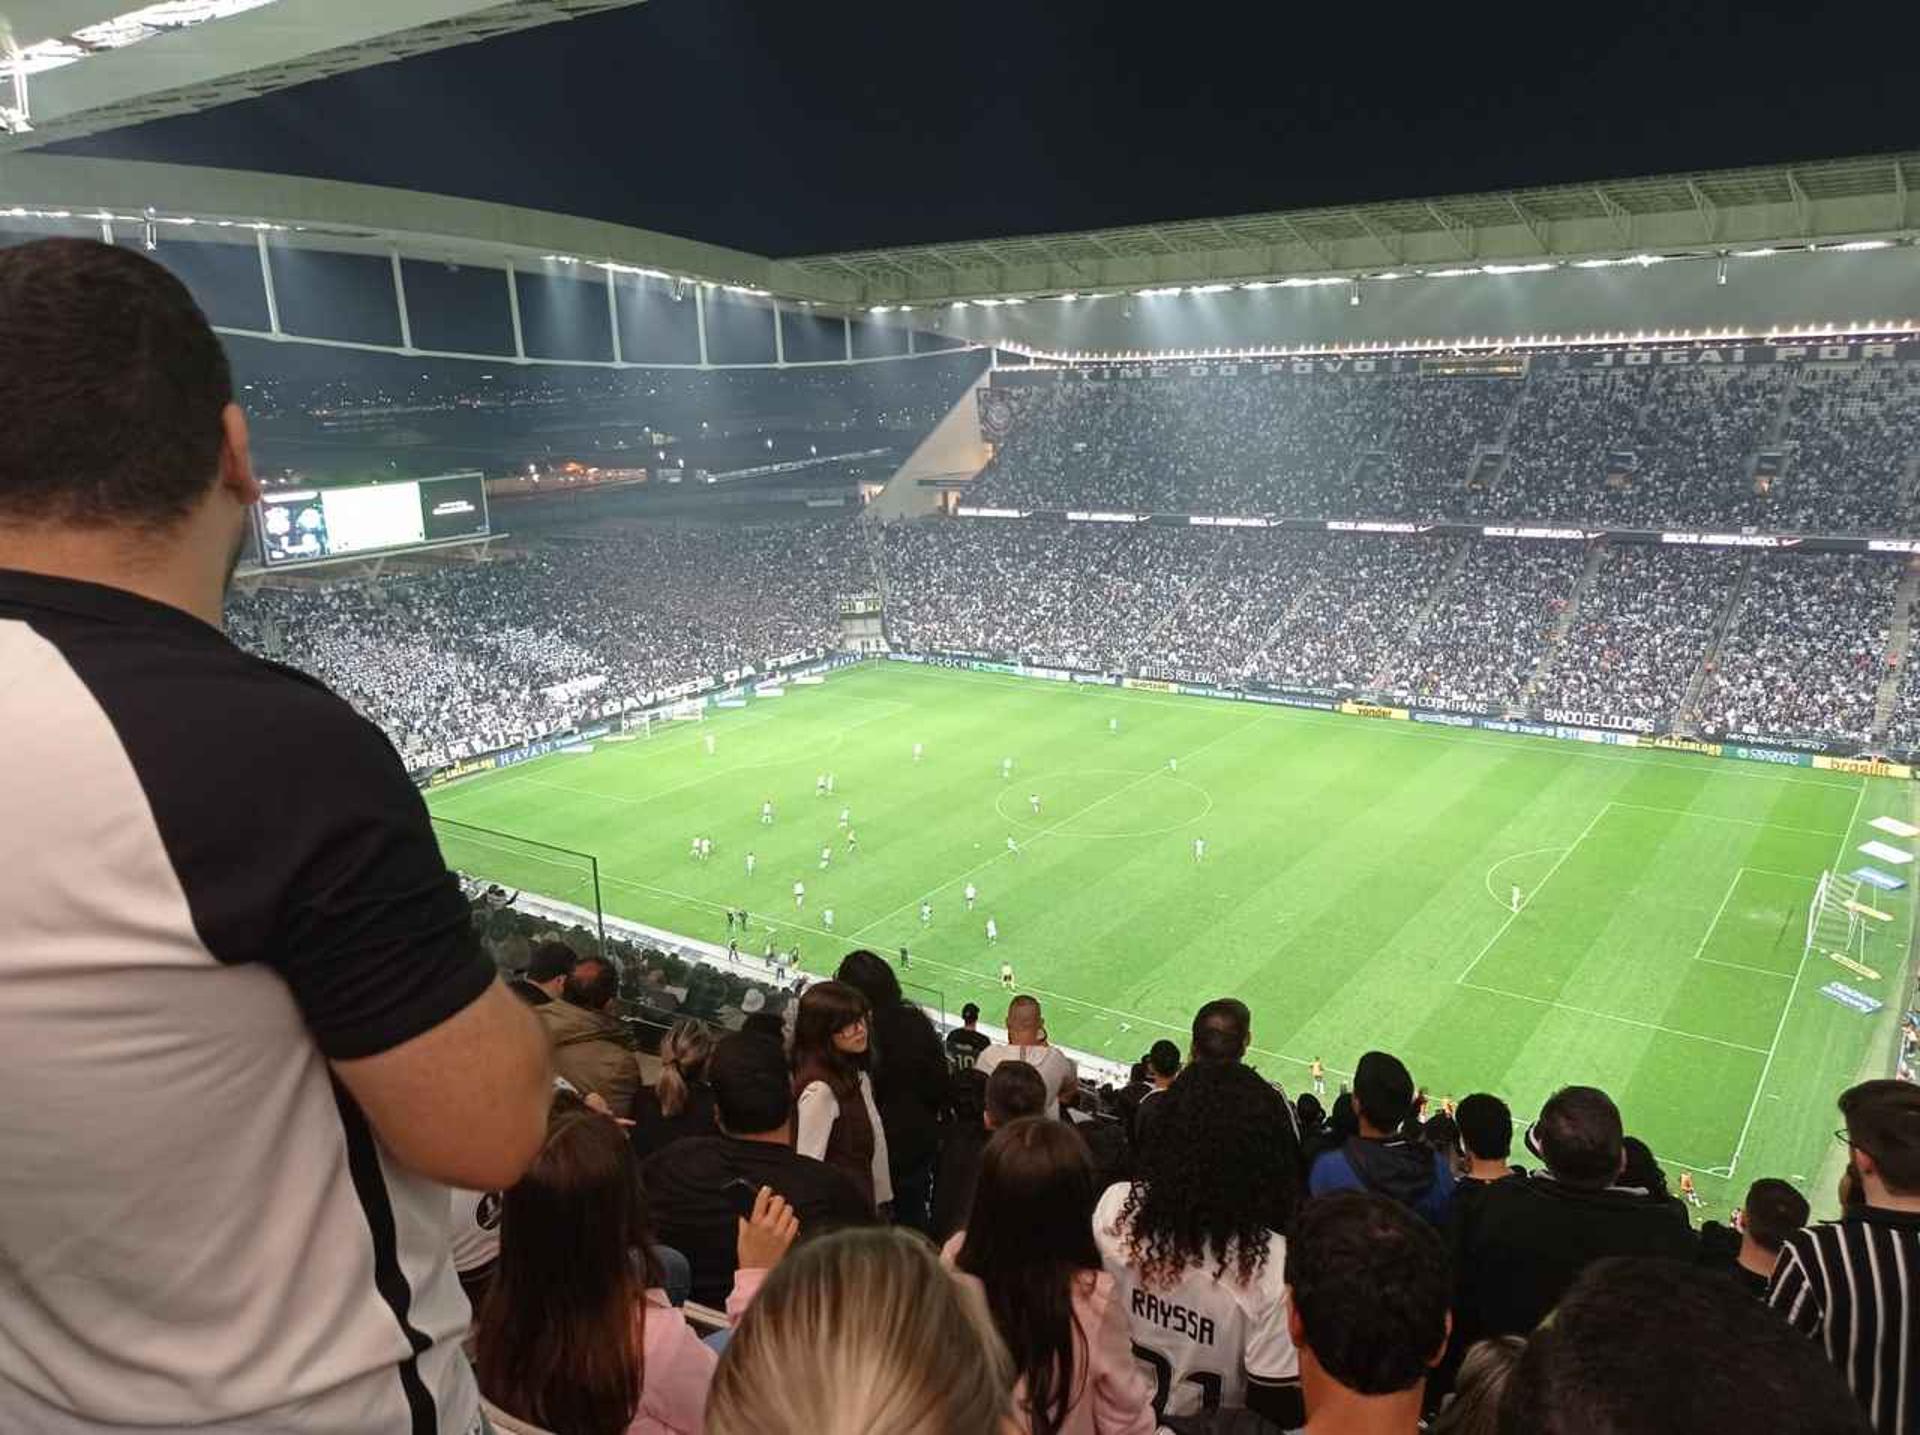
(247, 1039)
(1852, 1284)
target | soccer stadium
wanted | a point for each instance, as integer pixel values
(1472, 632)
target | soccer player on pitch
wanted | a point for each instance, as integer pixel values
(826, 856)
(916, 752)
(1033, 801)
(852, 842)
(993, 935)
(766, 813)
(1006, 768)
(1199, 849)
(1012, 846)
(799, 895)
(826, 919)
(1113, 725)
(926, 913)
(1006, 975)
(750, 861)
(846, 816)
(709, 742)
(970, 894)
(1318, 1071)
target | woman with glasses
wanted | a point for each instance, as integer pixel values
(836, 1120)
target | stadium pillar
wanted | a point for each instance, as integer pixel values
(599, 911)
(513, 308)
(700, 321)
(266, 283)
(779, 337)
(613, 318)
(400, 300)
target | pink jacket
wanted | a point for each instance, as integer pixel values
(679, 1366)
(1114, 1395)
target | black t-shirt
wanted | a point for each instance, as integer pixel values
(967, 1045)
(654, 1131)
(694, 1212)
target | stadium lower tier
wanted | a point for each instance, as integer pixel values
(1506, 913)
(1776, 646)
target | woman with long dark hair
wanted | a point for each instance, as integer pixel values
(575, 1333)
(909, 1069)
(835, 1118)
(1029, 1244)
(1194, 1247)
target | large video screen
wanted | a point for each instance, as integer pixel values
(305, 525)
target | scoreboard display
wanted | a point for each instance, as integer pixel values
(306, 525)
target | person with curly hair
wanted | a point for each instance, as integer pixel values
(1195, 1249)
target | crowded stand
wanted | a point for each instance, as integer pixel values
(1635, 447)
(472, 657)
(1641, 632)
(1489, 626)
(1807, 650)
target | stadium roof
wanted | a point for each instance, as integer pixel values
(101, 64)
(1864, 202)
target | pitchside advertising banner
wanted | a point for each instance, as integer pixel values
(1561, 725)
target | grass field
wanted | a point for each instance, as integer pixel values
(1355, 888)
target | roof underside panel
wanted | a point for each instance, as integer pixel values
(286, 43)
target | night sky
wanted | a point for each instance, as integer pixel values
(787, 128)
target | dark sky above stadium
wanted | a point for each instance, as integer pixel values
(786, 128)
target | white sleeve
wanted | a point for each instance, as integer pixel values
(1270, 1353)
(818, 1110)
(882, 1170)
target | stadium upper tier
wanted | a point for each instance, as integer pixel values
(1776, 645)
(1568, 437)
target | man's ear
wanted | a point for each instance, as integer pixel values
(1440, 1352)
(1296, 1331)
(236, 458)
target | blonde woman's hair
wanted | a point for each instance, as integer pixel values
(860, 1332)
(684, 1052)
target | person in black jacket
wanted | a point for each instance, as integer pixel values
(548, 967)
(909, 1070)
(1527, 1239)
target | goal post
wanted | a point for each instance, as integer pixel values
(1834, 924)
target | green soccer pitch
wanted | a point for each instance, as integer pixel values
(1355, 889)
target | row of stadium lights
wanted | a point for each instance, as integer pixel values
(1864, 329)
(1353, 281)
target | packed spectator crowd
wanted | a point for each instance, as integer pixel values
(1657, 447)
(1807, 650)
(1489, 626)
(472, 657)
(1193, 1252)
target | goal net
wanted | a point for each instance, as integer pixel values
(1834, 922)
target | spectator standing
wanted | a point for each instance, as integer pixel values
(910, 1074)
(1015, 1090)
(1222, 1031)
(590, 1047)
(862, 1331)
(576, 1333)
(248, 1044)
(547, 968)
(698, 1187)
(1029, 1245)
(1367, 1292)
(1485, 1127)
(1380, 1158)
(1163, 1065)
(1027, 1041)
(835, 1117)
(965, 1042)
(1195, 1249)
(679, 1104)
(1853, 1284)
(1749, 1250)
(1530, 1238)
(1653, 1346)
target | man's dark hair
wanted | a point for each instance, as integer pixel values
(752, 1088)
(1221, 1030)
(1369, 1280)
(1384, 1088)
(551, 959)
(1015, 1089)
(767, 1025)
(1773, 1211)
(1883, 1120)
(1486, 1126)
(112, 388)
(1580, 1137)
(592, 983)
(970, 1013)
(1163, 1058)
(1646, 1347)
